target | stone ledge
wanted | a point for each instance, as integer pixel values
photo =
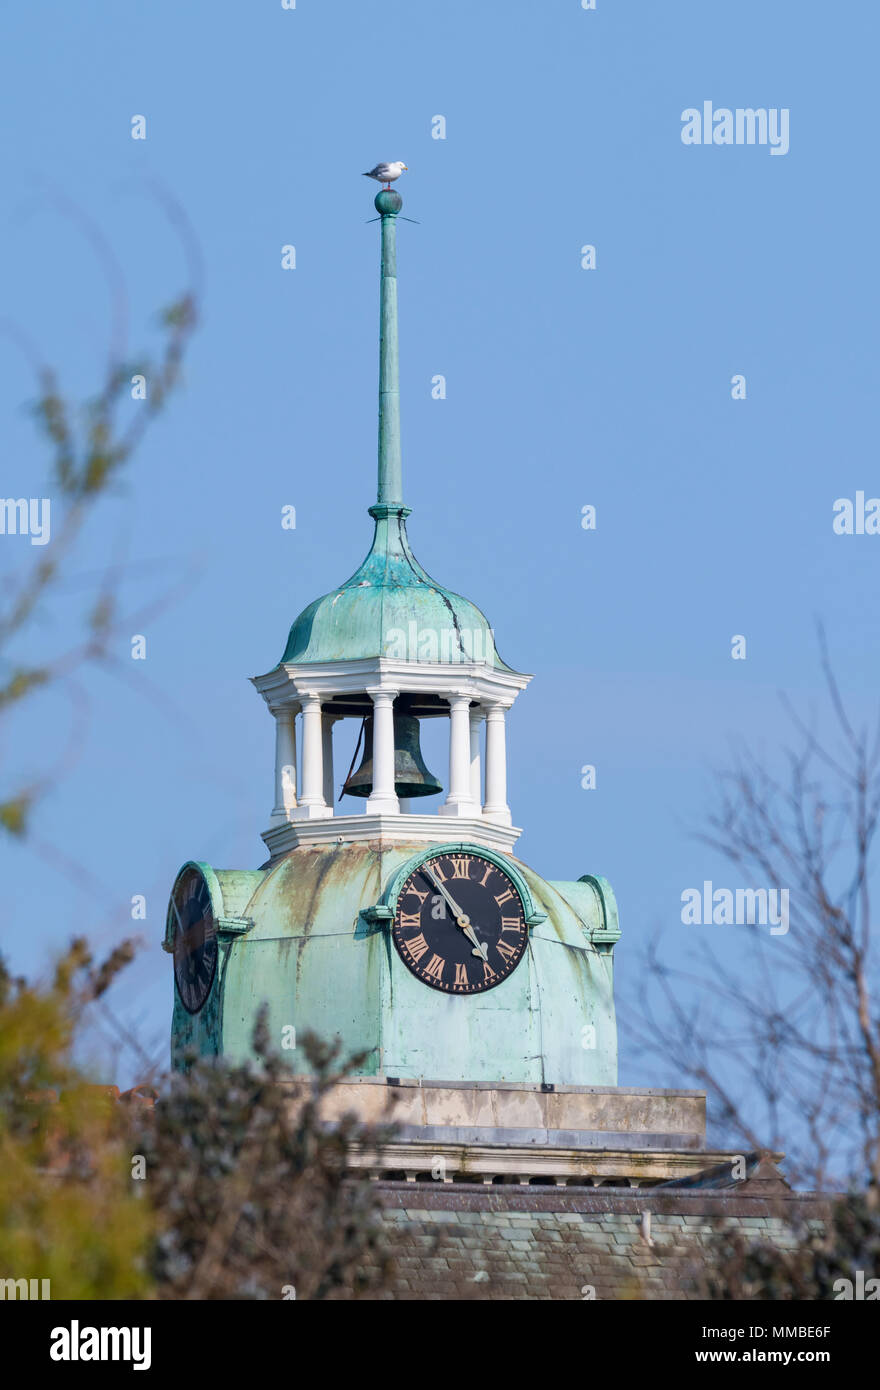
(421, 1084)
(582, 1114)
(551, 1138)
(519, 1165)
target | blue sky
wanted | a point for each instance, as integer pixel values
(565, 387)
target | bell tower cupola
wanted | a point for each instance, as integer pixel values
(389, 648)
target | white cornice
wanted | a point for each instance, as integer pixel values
(288, 683)
(388, 830)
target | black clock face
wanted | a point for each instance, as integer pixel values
(459, 924)
(195, 939)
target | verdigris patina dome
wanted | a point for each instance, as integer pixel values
(391, 607)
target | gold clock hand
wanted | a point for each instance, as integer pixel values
(461, 918)
(429, 874)
(480, 948)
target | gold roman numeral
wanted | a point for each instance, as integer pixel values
(417, 947)
(502, 898)
(506, 952)
(434, 968)
(511, 924)
(437, 871)
(461, 976)
(488, 973)
(410, 920)
(485, 875)
(460, 867)
(416, 894)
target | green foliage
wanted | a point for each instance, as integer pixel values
(243, 1192)
(21, 683)
(69, 1211)
(85, 459)
(13, 813)
(88, 449)
(249, 1184)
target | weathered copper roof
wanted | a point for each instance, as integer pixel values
(371, 614)
(306, 946)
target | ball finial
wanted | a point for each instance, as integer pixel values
(387, 200)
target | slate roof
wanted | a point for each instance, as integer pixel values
(501, 1242)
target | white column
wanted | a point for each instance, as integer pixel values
(459, 800)
(383, 798)
(496, 807)
(285, 762)
(327, 722)
(311, 799)
(476, 718)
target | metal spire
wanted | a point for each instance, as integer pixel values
(388, 204)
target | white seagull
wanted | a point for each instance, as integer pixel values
(387, 173)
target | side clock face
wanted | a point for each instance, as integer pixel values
(191, 917)
(460, 925)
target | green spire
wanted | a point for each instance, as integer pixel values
(388, 205)
(389, 592)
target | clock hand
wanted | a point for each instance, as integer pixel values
(185, 937)
(480, 946)
(429, 874)
(180, 925)
(461, 918)
(480, 949)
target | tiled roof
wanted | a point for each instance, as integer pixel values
(463, 1241)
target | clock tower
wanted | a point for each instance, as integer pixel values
(478, 993)
(418, 939)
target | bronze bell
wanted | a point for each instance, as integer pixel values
(411, 776)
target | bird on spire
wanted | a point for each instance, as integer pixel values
(387, 173)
